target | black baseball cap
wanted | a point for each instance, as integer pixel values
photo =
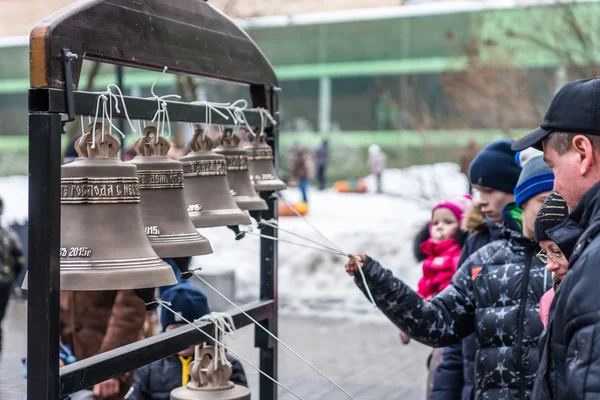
(574, 109)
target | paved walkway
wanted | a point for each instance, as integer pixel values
(366, 358)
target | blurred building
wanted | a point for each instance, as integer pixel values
(383, 65)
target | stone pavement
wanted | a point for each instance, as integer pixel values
(364, 357)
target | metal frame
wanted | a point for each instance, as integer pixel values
(53, 99)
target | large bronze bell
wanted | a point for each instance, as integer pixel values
(208, 382)
(103, 244)
(237, 174)
(206, 190)
(167, 223)
(260, 166)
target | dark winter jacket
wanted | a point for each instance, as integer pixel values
(11, 256)
(156, 381)
(455, 376)
(570, 362)
(494, 294)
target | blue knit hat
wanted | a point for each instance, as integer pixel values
(536, 177)
(187, 300)
(495, 167)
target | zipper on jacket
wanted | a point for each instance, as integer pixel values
(522, 309)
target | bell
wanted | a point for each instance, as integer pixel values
(103, 244)
(206, 190)
(167, 224)
(210, 380)
(260, 165)
(237, 174)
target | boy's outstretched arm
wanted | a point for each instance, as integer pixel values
(442, 321)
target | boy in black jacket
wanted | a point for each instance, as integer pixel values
(156, 381)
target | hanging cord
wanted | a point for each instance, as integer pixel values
(268, 115)
(195, 271)
(108, 89)
(242, 118)
(334, 252)
(274, 225)
(166, 306)
(161, 107)
(225, 326)
(352, 256)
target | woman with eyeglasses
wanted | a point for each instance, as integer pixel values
(553, 213)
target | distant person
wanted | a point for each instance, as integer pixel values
(377, 160)
(70, 152)
(303, 169)
(322, 158)
(467, 156)
(11, 263)
(157, 380)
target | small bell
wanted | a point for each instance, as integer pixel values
(103, 244)
(260, 166)
(206, 190)
(167, 223)
(210, 379)
(237, 174)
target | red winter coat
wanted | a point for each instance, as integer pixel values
(439, 266)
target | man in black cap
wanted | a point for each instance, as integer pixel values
(570, 138)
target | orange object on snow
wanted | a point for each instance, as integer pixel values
(351, 186)
(285, 211)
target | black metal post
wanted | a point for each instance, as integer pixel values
(44, 262)
(268, 281)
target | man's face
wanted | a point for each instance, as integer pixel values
(493, 201)
(568, 181)
(530, 209)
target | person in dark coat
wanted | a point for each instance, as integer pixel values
(495, 175)
(322, 160)
(495, 294)
(156, 381)
(11, 263)
(570, 138)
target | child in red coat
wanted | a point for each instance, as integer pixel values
(443, 247)
(439, 247)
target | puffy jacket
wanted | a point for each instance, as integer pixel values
(570, 363)
(156, 381)
(494, 294)
(11, 256)
(439, 266)
(455, 376)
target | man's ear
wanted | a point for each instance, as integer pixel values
(585, 153)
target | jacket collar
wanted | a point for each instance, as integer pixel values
(511, 228)
(584, 220)
(433, 248)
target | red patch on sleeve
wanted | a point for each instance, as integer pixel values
(474, 272)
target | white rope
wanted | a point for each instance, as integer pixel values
(334, 252)
(242, 118)
(225, 326)
(122, 102)
(166, 306)
(161, 107)
(362, 274)
(195, 271)
(274, 225)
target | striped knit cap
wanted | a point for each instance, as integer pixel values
(553, 212)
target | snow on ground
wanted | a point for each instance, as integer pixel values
(311, 281)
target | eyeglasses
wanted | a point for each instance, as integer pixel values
(543, 256)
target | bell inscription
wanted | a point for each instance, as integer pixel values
(99, 190)
(165, 179)
(260, 154)
(75, 252)
(194, 207)
(261, 177)
(204, 168)
(237, 163)
(152, 230)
